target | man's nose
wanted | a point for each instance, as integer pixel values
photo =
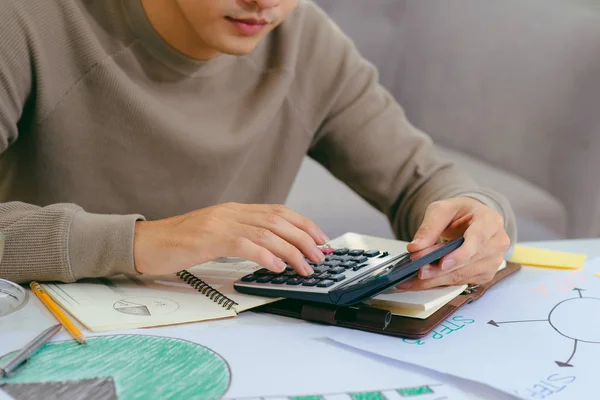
(264, 3)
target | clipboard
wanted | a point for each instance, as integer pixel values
(381, 321)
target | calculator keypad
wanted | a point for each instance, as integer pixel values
(338, 266)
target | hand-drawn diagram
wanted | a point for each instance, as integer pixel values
(146, 306)
(563, 318)
(426, 392)
(122, 367)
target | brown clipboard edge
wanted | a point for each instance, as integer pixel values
(381, 321)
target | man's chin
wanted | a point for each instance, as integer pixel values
(239, 46)
(238, 50)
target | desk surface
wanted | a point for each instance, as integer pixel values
(469, 390)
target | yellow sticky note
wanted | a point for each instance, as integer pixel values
(597, 274)
(547, 258)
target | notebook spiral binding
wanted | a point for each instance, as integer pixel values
(207, 290)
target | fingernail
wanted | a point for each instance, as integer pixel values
(447, 264)
(279, 265)
(318, 254)
(323, 237)
(416, 240)
(308, 269)
(426, 272)
(405, 285)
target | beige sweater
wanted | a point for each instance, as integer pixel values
(102, 124)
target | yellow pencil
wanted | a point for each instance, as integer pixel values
(58, 313)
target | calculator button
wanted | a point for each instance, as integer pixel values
(325, 283)
(336, 270)
(265, 278)
(332, 263)
(345, 258)
(338, 278)
(324, 275)
(295, 281)
(310, 282)
(249, 278)
(359, 260)
(320, 270)
(359, 267)
(280, 279)
(287, 269)
(371, 253)
(327, 250)
(341, 252)
(264, 271)
(291, 273)
(356, 252)
(348, 264)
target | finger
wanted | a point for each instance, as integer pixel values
(285, 230)
(484, 269)
(474, 247)
(437, 217)
(276, 245)
(248, 250)
(495, 248)
(299, 221)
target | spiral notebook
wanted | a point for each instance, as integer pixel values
(201, 293)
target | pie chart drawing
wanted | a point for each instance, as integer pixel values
(146, 306)
(122, 367)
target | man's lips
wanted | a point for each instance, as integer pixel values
(248, 26)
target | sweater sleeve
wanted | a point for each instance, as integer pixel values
(365, 139)
(58, 242)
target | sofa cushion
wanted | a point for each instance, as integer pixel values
(540, 216)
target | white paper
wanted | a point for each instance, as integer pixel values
(519, 337)
(265, 364)
(4, 395)
(261, 362)
(17, 329)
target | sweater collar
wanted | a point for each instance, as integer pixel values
(163, 51)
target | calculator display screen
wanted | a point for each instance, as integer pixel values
(381, 273)
(396, 271)
(398, 264)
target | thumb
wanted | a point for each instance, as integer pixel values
(437, 218)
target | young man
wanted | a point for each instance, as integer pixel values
(147, 136)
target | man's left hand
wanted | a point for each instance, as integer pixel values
(477, 260)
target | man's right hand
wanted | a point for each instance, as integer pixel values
(265, 234)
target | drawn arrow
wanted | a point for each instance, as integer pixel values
(562, 364)
(566, 364)
(494, 323)
(579, 290)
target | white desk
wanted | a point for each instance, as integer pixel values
(469, 390)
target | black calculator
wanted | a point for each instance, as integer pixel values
(346, 277)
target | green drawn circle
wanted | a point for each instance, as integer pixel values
(142, 367)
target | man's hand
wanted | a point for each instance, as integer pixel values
(477, 260)
(265, 234)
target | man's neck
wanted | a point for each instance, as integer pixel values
(170, 23)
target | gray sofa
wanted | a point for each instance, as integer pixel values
(509, 90)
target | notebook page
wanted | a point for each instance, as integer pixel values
(124, 302)
(223, 272)
(411, 312)
(419, 300)
(422, 300)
